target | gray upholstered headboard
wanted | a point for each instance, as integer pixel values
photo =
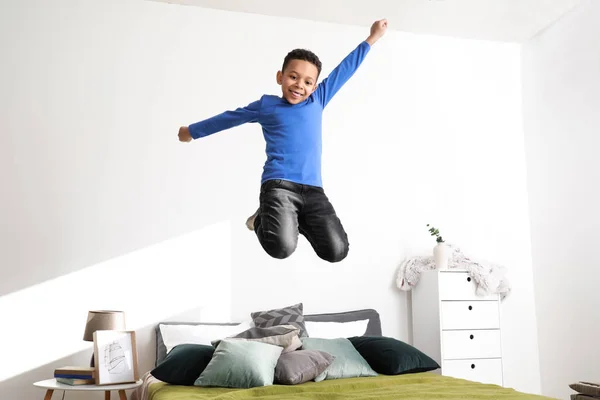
(373, 326)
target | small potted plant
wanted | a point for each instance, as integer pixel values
(440, 251)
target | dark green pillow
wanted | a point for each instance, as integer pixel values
(184, 364)
(389, 356)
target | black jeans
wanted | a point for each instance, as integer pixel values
(287, 209)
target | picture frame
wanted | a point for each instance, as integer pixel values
(115, 355)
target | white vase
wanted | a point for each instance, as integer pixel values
(440, 256)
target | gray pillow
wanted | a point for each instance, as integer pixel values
(292, 315)
(587, 388)
(348, 362)
(285, 336)
(301, 366)
(240, 364)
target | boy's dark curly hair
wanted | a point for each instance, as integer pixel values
(305, 55)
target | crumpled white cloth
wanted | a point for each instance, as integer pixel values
(489, 278)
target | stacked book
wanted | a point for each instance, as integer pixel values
(75, 375)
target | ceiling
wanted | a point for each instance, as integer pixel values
(498, 20)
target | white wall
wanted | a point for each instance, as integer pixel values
(101, 206)
(94, 182)
(561, 70)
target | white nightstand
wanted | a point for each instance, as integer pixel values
(456, 327)
(51, 385)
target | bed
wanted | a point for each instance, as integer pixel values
(417, 385)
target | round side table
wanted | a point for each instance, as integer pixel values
(51, 385)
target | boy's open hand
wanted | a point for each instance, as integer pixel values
(378, 29)
(184, 134)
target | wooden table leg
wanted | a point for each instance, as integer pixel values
(107, 395)
(48, 394)
(122, 395)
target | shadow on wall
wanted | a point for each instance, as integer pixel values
(61, 250)
(55, 223)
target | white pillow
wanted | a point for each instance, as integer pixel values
(336, 330)
(173, 335)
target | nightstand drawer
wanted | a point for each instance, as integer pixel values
(471, 344)
(483, 371)
(470, 315)
(459, 286)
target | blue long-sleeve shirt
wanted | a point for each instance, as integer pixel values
(292, 131)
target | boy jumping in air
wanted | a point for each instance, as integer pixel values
(292, 199)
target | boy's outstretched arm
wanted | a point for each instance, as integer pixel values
(344, 71)
(226, 120)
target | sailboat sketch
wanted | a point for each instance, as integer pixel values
(114, 358)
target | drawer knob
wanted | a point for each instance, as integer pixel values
(472, 366)
(470, 308)
(471, 337)
(469, 279)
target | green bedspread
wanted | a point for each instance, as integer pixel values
(426, 386)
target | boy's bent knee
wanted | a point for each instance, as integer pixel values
(281, 253)
(335, 253)
(282, 250)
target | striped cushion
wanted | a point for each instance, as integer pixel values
(292, 315)
(587, 388)
(285, 336)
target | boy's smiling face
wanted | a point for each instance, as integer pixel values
(298, 80)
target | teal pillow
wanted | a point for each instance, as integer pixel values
(390, 356)
(184, 364)
(347, 363)
(241, 364)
